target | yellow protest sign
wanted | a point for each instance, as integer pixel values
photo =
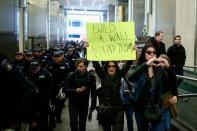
(111, 41)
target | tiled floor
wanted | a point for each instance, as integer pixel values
(91, 125)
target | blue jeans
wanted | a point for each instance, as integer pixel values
(142, 125)
(162, 125)
(129, 115)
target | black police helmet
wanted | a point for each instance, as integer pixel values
(57, 54)
(34, 64)
(28, 53)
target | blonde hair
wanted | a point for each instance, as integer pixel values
(166, 57)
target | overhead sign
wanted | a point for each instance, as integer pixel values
(111, 41)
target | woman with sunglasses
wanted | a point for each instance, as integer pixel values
(156, 79)
(109, 96)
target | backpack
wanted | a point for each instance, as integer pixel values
(127, 91)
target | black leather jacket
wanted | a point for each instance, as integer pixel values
(164, 81)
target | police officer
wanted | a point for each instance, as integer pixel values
(19, 61)
(27, 66)
(39, 55)
(71, 58)
(78, 86)
(43, 79)
(59, 69)
(16, 96)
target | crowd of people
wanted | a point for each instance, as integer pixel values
(38, 82)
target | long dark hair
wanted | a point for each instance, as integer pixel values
(107, 63)
(142, 58)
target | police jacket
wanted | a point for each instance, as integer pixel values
(19, 65)
(59, 73)
(44, 82)
(109, 93)
(76, 80)
(71, 59)
(14, 95)
(43, 60)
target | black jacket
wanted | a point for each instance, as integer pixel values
(164, 81)
(16, 95)
(109, 93)
(76, 80)
(59, 73)
(177, 55)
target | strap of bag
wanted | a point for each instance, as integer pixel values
(129, 85)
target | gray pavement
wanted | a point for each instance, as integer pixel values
(91, 125)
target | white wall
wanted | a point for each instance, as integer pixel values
(186, 26)
(175, 17)
(165, 13)
(54, 22)
(37, 17)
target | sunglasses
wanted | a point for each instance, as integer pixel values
(56, 56)
(109, 66)
(151, 52)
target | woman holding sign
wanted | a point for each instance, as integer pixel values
(110, 110)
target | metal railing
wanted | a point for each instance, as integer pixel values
(186, 103)
(190, 69)
(186, 78)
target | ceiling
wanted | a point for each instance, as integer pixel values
(87, 4)
(97, 5)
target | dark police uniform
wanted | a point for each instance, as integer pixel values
(43, 80)
(27, 65)
(19, 64)
(59, 72)
(71, 59)
(16, 96)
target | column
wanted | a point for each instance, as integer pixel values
(54, 21)
(130, 10)
(37, 12)
(48, 24)
(61, 24)
(22, 6)
(185, 25)
(111, 15)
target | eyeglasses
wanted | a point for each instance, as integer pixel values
(151, 52)
(109, 66)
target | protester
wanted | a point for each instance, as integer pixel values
(156, 79)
